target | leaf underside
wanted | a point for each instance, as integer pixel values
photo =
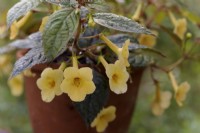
(33, 57)
(120, 23)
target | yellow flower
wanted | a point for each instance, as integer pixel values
(103, 118)
(161, 102)
(180, 28)
(78, 82)
(15, 27)
(180, 25)
(16, 85)
(5, 64)
(49, 84)
(181, 93)
(123, 53)
(117, 74)
(148, 40)
(180, 90)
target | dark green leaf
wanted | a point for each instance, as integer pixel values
(94, 103)
(59, 29)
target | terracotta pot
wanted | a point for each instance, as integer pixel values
(60, 116)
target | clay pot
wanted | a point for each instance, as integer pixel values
(59, 116)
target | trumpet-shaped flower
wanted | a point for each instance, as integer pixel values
(181, 92)
(78, 83)
(180, 25)
(122, 53)
(49, 83)
(161, 102)
(15, 27)
(16, 85)
(148, 40)
(103, 118)
(117, 74)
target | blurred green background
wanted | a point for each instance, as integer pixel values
(14, 115)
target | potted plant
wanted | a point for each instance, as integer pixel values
(75, 69)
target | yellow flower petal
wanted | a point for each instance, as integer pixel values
(124, 53)
(44, 21)
(103, 118)
(148, 40)
(16, 85)
(118, 76)
(14, 31)
(71, 72)
(86, 73)
(49, 83)
(157, 109)
(165, 99)
(181, 93)
(47, 95)
(161, 102)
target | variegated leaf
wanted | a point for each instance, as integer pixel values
(33, 57)
(120, 23)
(20, 9)
(59, 29)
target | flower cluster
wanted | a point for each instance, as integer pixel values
(75, 82)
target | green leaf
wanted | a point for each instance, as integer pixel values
(120, 23)
(63, 2)
(94, 103)
(98, 5)
(59, 29)
(20, 9)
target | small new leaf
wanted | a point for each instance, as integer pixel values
(59, 29)
(20, 9)
(120, 23)
(33, 57)
(94, 103)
